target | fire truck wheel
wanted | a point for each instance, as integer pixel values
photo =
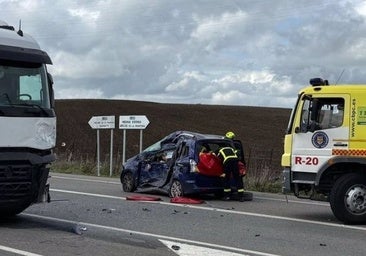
(348, 198)
(128, 182)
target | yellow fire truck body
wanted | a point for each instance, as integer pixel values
(325, 148)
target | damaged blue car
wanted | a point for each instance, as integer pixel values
(180, 164)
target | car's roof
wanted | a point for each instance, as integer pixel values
(192, 135)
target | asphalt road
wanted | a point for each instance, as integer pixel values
(91, 216)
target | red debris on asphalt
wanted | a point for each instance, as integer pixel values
(185, 200)
(142, 198)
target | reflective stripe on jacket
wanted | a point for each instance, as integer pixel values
(227, 153)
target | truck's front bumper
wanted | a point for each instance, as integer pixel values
(286, 180)
(23, 180)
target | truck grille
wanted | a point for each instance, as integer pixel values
(15, 182)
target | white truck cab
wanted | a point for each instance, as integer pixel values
(27, 121)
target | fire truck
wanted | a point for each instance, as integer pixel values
(325, 148)
(27, 121)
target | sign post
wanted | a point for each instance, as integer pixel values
(137, 122)
(103, 122)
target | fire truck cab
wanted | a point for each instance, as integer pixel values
(325, 148)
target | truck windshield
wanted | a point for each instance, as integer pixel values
(322, 113)
(23, 84)
(292, 116)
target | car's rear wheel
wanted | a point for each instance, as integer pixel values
(219, 194)
(128, 182)
(176, 189)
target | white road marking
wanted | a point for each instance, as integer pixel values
(19, 252)
(258, 197)
(293, 201)
(160, 237)
(192, 250)
(83, 179)
(221, 210)
(87, 194)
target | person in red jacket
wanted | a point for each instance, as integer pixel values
(230, 162)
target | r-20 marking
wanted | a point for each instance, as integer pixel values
(306, 160)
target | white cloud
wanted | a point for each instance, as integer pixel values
(253, 77)
(213, 27)
(85, 14)
(92, 65)
(77, 93)
(185, 84)
(209, 52)
(361, 8)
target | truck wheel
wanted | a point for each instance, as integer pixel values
(13, 209)
(176, 189)
(348, 198)
(128, 182)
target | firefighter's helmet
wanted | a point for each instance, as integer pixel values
(230, 135)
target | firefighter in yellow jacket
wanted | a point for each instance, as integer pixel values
(230, 163)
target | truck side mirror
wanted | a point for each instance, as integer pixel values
(50, 89)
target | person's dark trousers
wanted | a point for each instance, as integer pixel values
(231, 170)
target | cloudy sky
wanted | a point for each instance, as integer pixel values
(225, 52)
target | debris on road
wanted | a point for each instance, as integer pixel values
(185, 200)
(142, 198)
(77, 229)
